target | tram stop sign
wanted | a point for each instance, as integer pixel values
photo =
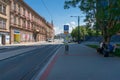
(66, 29)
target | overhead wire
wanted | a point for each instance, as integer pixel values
(47, 9)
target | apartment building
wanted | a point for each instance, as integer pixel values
(26, 25)
(4, 22)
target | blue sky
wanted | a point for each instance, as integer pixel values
(58, 14)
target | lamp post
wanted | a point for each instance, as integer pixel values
(78, 28)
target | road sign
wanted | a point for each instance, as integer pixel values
(65, 32)
(66, 29)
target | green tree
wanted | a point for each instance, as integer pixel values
(74, 33)
(106, 18)
(84, 31)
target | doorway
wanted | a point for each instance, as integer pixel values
(3, 39)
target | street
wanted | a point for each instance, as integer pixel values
(27, 64)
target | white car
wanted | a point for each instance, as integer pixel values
(49, 40)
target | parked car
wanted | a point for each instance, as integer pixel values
(49, 40)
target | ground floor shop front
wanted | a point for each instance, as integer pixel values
(22, 36)
(4, 38)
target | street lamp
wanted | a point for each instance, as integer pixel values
(78, 28)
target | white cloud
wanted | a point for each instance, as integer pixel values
(72, 26)
(58, 30)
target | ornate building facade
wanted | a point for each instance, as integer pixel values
(26, 25)
(4, 22)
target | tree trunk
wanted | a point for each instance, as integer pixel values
(107, 39)
(106, 35)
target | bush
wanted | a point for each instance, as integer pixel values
(118, 44)
(117, 52)
(93, 46)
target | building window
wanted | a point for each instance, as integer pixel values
(23, 11)
(11, 19)
(2, 23)
(19, 8)
(14, 6)
(2, 9)
(28, 25)
(32, 26)
(14, 20)
(19, 21)
(24, 24)
(4, 1)
(28, 16)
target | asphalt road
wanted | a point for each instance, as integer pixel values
(26, 65)
(11, 48)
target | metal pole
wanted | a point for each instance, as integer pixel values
(78, 30)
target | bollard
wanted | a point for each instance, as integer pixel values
(66, 48)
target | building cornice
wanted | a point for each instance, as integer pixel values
(29, 8)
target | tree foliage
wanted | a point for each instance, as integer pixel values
(84, 31)
(104, 14)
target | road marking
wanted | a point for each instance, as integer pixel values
(46, 70)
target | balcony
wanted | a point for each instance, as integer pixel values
(19, 25)
(12, 24)
(23, 16)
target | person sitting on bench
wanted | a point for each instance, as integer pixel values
(101, 47)
(109, 48)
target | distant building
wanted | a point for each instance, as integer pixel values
(4, 22)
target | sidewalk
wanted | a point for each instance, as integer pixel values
(82, 63)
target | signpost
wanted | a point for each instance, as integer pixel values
(66, 38)
(66, 33)
(66, 29)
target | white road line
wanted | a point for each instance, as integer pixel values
(43, 70)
